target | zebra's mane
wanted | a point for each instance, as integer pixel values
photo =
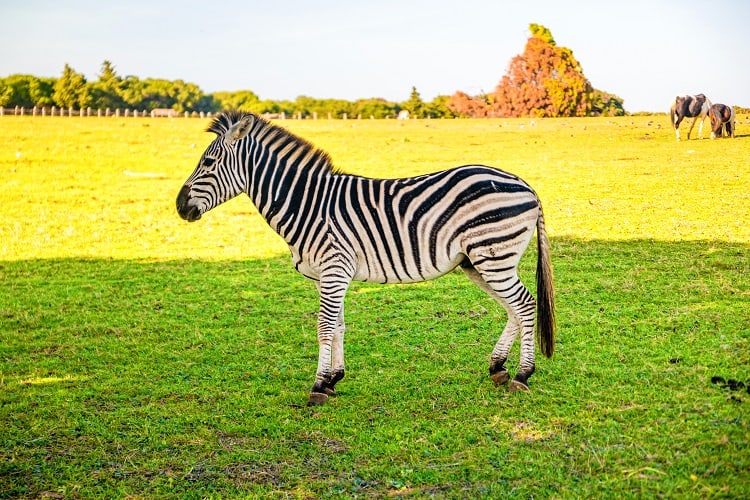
(270, 131)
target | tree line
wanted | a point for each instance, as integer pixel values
(111, 91)
(545, 80)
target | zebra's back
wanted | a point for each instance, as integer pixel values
(418, 228)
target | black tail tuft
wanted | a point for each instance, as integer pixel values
(545, 321)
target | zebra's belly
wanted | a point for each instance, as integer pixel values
(405, 272)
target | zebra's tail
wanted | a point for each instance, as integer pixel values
(545, 309)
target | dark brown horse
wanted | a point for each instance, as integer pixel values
(722, 119)
(689, 106)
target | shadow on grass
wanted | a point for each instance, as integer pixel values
(168, 378)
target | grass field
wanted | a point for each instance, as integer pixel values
(141, 356)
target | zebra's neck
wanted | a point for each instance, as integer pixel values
(288, 178)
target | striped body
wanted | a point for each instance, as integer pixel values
(342, 227)
(387, 231)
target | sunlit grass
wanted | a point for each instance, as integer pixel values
(106, 187)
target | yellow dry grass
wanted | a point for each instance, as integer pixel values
(105, 187)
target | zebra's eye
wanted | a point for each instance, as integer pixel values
(208, 161)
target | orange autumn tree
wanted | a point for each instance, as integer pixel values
(462, 104)
(546, 80)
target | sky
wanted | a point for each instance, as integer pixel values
(645, 52)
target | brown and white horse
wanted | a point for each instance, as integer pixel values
(722, 119)
(689, 106)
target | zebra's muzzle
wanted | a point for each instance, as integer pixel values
(187, 211)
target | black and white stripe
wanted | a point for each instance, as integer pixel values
(343, 227)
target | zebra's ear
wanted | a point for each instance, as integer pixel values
(238, 130)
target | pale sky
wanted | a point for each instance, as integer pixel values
(645, 52)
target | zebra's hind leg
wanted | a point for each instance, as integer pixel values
(499, 356)
(507, 289)
(498, 371)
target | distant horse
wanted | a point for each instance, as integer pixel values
(689, 106)
(722, 119)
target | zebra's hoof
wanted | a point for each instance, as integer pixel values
(500, 378)
(317, 399)
(516, 386)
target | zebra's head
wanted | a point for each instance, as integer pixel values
(221, 174)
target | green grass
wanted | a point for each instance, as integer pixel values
(141, 356)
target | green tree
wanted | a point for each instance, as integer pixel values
(14, 91)
(157, 93)
(41, 91)
(415, 105)
(375, 107)
(438, 108)
(71, 90)
(26, 91)
(605, 104)
(187, 96)
(244, 99)
(132, 92)
(107, 92)
(306, 105)
(337, 107)
(546, 80)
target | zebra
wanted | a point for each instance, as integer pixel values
(342, 228)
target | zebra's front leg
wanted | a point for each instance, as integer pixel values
(337, 354)
(330, 343)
